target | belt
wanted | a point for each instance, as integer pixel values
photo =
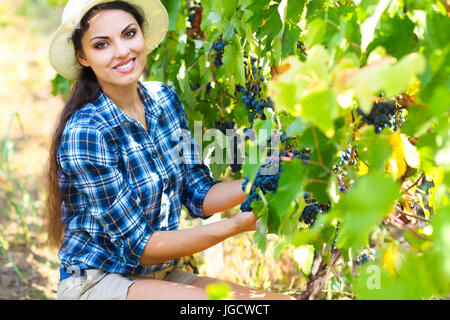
(64, 275)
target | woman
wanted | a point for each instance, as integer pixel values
(116, 186)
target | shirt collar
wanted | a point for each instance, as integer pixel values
(115, 116)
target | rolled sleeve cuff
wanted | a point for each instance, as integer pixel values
(199, 197)
(140, 239)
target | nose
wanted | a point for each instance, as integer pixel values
(122, 50)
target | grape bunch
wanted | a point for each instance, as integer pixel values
(312, 209)
(346, 158)
(236, 165)
(341, 176)
(225, 125)
(301, 47)
(365, 256)
(303, 154)
(254, 98)
(284, 137)
(382, 115)
(219, 48)
(265, 182)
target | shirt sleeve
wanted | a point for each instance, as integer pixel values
(93, 169)
(197, 180)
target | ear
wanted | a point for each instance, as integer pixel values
(82, 59)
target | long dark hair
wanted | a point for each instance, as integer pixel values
(84, 90)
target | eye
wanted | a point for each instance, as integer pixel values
(100, 45)
(130, 34)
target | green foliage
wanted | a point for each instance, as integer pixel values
(355, 51)
(219, 291)
(19, 205)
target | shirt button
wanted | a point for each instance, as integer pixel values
(154, 155)
(166, 181)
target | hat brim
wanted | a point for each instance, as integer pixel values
(62, 52)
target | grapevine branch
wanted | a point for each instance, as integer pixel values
(393, 221)
(415, 183)
(320, 164)
(316, 181)
(398, 210)
(195, 63)
(201, 88)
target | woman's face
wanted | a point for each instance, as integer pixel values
(114, 48)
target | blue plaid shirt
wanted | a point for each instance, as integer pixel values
(121, 183)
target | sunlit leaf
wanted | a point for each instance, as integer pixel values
(403, 153)
(219, 291)
(304, 256)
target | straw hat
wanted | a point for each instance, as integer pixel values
(62, 51)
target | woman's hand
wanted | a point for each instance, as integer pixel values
(245, 221)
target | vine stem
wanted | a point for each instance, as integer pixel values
(201, 88)
(405, 227)
(193, 65)
(320, 164)
(316, 181)
(415, 183)
(398, 210)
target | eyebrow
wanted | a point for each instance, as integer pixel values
(106, 37)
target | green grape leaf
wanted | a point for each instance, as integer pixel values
(363, 207)
(417, 121)
(384, 75)
(291, 35)
(183, 80)
(313, 6)
(434, 35)
(396, 35)
(219, 291)
(172, 7)
(324, 116)
(270, 25)
(296, 127)
(304, 256)
(316, 31)
(258, 11)
(441, 237)
(440, 101)
(260, 240)
(369, 25)
(233, 60)
(374, 149)
(252, 162)
(319, 170)
(289, 186)
(322, 148)
(60, 85)
(294, 10)
(217, 169)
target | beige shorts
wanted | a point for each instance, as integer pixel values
(101, 285)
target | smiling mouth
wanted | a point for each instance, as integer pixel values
(126, 66)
